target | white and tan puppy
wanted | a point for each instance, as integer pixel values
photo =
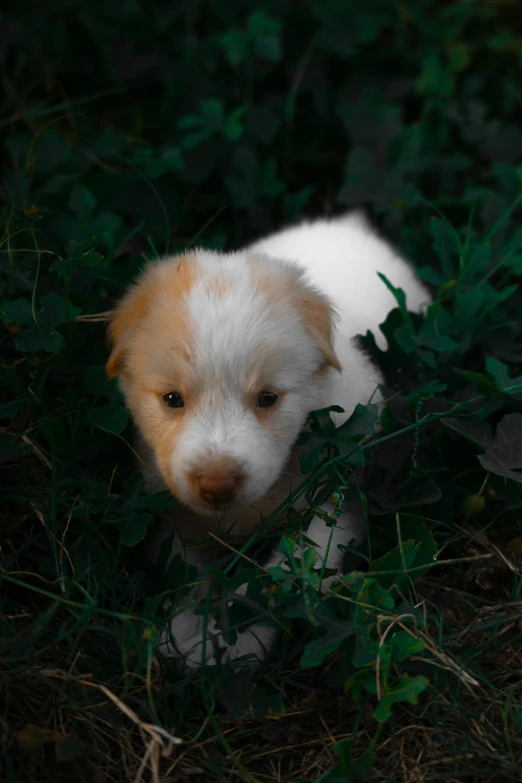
(222, 356)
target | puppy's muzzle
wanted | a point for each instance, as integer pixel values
(218, 486)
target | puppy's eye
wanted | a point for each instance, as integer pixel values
(266, 400)
(173, 400)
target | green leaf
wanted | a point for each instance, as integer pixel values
(156, 502)
(64, 267)
(405, 339)
(316, 651)
(429, 275)
(42, 335)
(362, 422)
(435, 80)
(350, 768)
(18, 311)
(157, 162)
(152, 604)
(446, 245)
(59, 182)
(343, 26)
(515, 263)
(235, 44)
(473, 429)
(430, 334)
(400, 298)
(78, 254)
(403, 645)
(309, 558)
(135, 530)
(83, 252)
(362, 679)
(172, 159)
(110, 418)
(325, 435)
(265, 33)
(81, 200)
(34, 339)
(108, 228)
(97, 383)
(366, 646)
(250, 181)
(399, 559)
(499, 371)
(408, 690)
(504, 455)
(233, 125)
(475, 264)
(283, 577)
(426, 391)
(321, 421)
(474, 304)
(312, 452)
(414, 529)
(56, 310)
(459, 56)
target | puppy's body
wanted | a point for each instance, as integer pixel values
(245, 346)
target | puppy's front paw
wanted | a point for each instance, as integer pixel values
(197, 642)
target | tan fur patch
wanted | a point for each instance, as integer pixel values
(316, 313)
(152, 337)
(164, 283)
(124, 318)
(218, 285)
(159, 425)
(317, 317)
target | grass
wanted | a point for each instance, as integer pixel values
(131, 129)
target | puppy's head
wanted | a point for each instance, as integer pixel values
(221, 358)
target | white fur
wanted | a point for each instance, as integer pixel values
(342, 258)
(231, 331)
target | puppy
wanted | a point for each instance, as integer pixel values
(222, 356)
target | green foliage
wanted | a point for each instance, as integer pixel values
(40, 332)
(499, 372)
(78, 254)
(132, 129)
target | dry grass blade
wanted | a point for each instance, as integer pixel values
(158, 733)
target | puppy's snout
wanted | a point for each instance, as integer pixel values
(218, 486)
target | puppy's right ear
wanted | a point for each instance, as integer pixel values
(124, 318)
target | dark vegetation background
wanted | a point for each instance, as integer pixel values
(129, 128)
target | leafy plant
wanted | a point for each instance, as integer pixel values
(133, 129)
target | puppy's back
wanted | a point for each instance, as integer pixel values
(343, 257)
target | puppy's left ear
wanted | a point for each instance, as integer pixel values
(319, 319)
(124, 319)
